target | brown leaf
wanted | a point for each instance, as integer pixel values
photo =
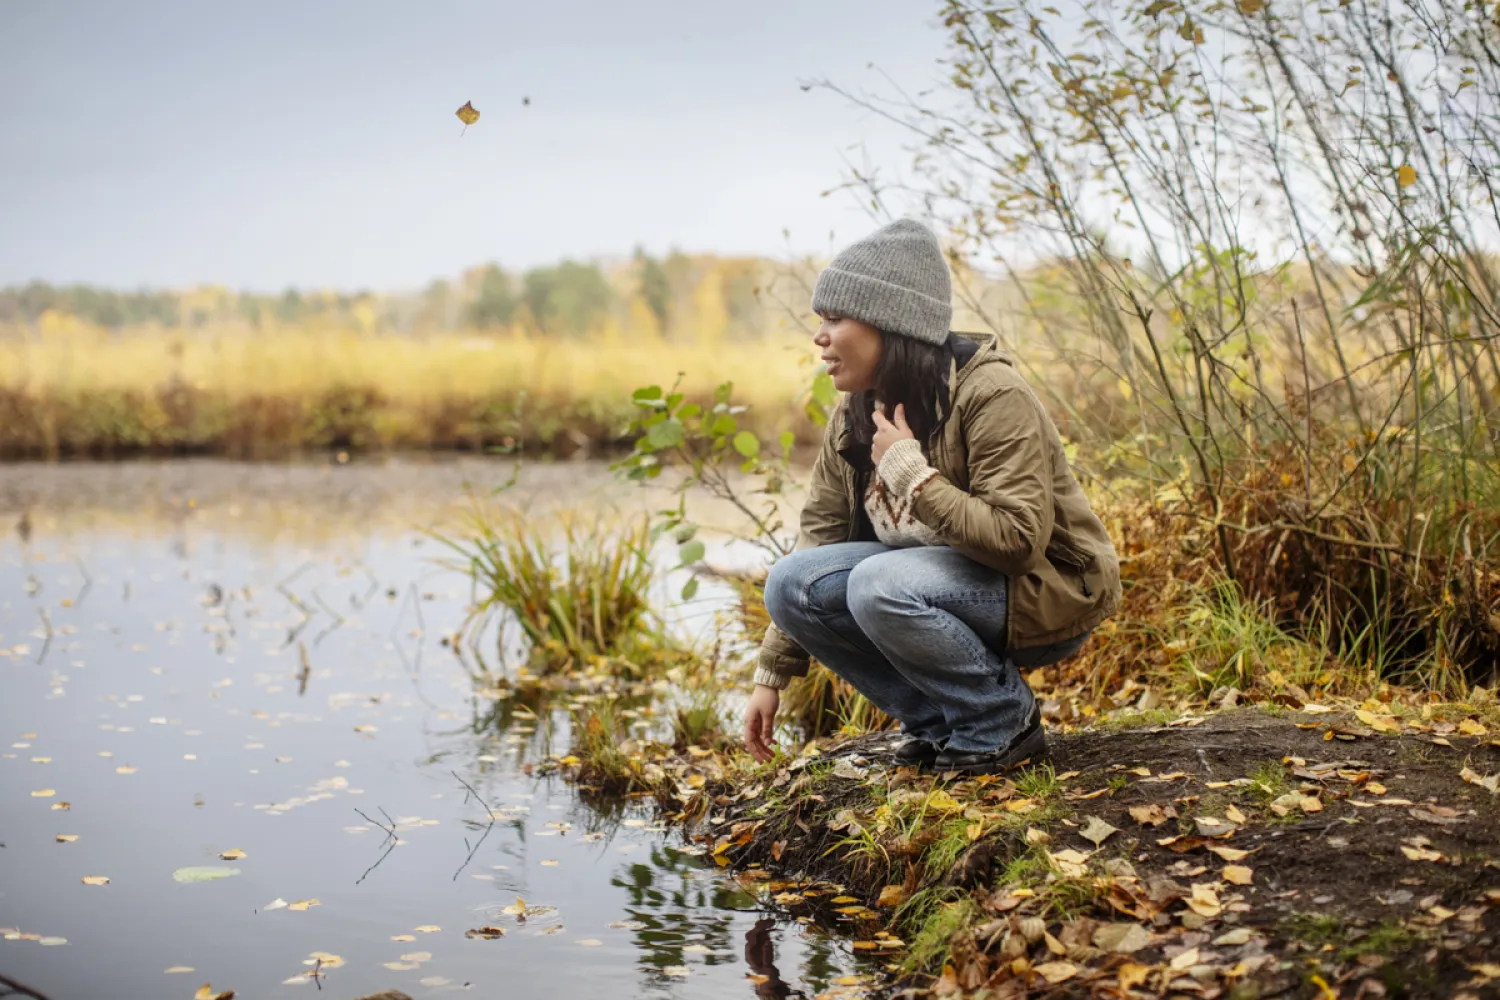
(467, 114)
(233, 854)
(1238, 874)
(1096, 830)
(892, 895)
(1148, 815)
(1056, 972)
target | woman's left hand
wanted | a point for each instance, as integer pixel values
(887, 433)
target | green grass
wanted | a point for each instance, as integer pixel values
(1131, 719)
(1389, 939)
(579, 590)
(1270, 781)
(938, 915)
(1039, 782)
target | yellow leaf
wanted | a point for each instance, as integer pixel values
(1126, 390)
(427, 929)
(96, 880)
(467, 114)
(1228, 853)
(1057, 972)
(1204, 901)
(1238, 874)
(1133, 974)
(233, 854)
(892, 895)
(66, 838)
(569, 761)
(1406, 176)
(304, 904)
(1374, 721)
(1234, 815)
(941, 800)
(417, 956)
(403, 937)
(1471, 728)
(44, 793)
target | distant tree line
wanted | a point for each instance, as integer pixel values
(678, 295)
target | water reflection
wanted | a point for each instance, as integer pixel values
(190, 680)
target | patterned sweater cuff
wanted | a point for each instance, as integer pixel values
(771, 678)
(903, 469)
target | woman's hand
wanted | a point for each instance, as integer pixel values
(887, 433)
(760, 722)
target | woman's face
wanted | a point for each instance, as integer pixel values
(852, 351)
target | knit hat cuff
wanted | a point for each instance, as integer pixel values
(887, 307)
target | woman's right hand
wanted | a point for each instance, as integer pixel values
(760, 722)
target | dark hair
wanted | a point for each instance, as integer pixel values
(913, 373)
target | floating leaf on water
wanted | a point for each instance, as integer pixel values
(427, 929)
(233, 854)
(204, 873)
(303, 905)
(60, 806)
(403, 937)
(51, 941)
(487, 932)
(590, 942)
(178, 968)
(207, 992)
(66, 838)
(417, 956)
(44, 793)
(401, 966)
(677, 971)
(325, 960)
(96, 880)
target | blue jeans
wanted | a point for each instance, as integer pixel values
(920, 632)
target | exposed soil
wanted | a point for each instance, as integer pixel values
(1372, 866)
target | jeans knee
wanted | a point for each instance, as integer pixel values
(872, 591)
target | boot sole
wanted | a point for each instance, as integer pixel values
(1034, 747)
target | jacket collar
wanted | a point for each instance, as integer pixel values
(969, 350)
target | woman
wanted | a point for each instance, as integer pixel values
(945, 543)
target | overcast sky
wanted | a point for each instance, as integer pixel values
(314, 143)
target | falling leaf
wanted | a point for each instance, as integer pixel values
(204, 873)
(467, 114)
(1097, 830)
(1057, 972)
(96, 880)
(233, 854)
(1238, 874)
(1406, 176)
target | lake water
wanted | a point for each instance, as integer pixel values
(199, 657)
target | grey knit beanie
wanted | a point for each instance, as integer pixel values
(895, 279)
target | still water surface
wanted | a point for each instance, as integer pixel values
(168, 712)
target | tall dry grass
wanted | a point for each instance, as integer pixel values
(90, 392)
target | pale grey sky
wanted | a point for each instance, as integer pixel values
(314, 143)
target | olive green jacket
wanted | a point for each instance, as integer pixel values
(1004, 496)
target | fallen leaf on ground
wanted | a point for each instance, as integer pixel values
(1238, 936)
(892, 895)
(1122, 938)
(1421, 853)
(1057, 972)
(1238, 874)
(1490, 783)
(1097, 830)
(1133, 974)
(1228, 853)
(1235, 816)
(1204, 900)
(1149, 815)
(1185, 960)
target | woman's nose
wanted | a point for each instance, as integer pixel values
(821, 338)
